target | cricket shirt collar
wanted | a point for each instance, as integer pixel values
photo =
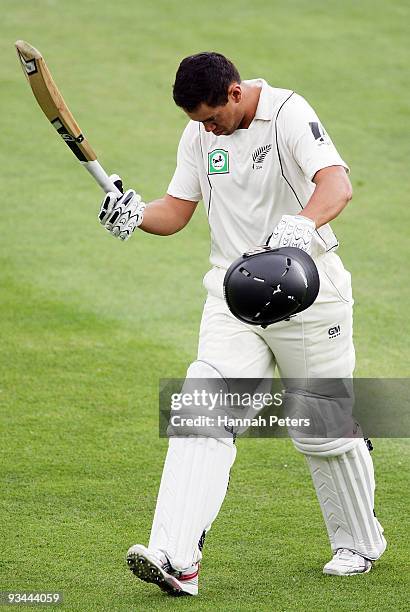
(265, 108)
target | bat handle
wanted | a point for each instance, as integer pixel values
(100, 175)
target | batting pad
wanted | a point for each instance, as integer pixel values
(345, 488)
(193, 486)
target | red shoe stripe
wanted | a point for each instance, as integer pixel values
(188, 576)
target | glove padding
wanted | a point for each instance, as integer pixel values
(121, 215)
(293, 231)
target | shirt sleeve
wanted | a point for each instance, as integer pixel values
(306, 138)
(185, 182)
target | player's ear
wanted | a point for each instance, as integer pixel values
(235, 92)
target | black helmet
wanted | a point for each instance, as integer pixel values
(267, 285)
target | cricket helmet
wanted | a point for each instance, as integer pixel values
(265, 285)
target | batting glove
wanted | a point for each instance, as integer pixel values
(293, 231)
(121, 215)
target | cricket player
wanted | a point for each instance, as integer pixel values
(268, 173)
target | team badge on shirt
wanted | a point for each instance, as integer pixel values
(218, 162)
(259, 155)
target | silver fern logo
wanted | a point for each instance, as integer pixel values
(259, 155)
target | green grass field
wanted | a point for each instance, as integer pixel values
(89, 325)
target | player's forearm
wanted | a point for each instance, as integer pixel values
(332, 192)
(166, 216)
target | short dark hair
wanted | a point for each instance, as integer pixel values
(204, 78)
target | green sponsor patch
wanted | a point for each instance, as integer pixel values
(218, 162)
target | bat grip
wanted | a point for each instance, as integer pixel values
(101, 177)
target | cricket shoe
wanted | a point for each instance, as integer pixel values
(347, 563)
(155, 567)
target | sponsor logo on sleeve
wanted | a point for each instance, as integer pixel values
(218, 162)
(319, 133)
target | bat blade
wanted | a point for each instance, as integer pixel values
(56, 110)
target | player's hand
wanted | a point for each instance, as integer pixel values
(121, 215)
(293, 231)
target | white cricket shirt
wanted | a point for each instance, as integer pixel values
(249, 179)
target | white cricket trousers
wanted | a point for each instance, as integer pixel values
(316, 343)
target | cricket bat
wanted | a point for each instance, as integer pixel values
(56, 110)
